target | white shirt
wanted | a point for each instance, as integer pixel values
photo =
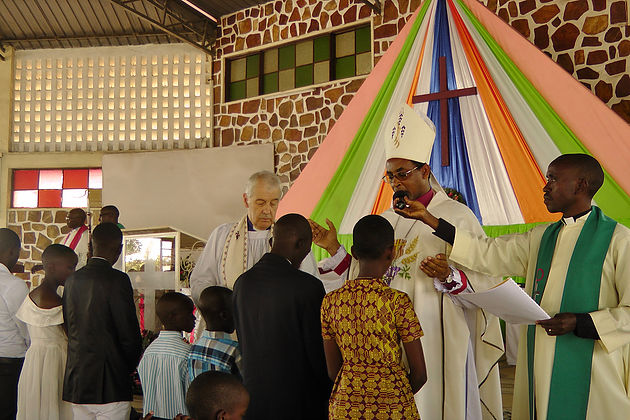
(14, 338)
(82, 247)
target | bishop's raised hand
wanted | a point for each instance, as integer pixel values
(325, 238)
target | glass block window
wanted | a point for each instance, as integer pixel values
(110, 98)
(308, 62)
(70, 188)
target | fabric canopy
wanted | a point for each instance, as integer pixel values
(527, 111)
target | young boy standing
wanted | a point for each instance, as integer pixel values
(215, 349)
(217, 396)
(163, 369)
(104, 342)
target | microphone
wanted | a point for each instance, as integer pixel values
(398, 200)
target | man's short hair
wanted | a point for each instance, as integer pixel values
(371, 236)
(110, 208)
(212, 391)
(213, 300)
(82, 214)
(9, 240)
(587, 166)
(269, 178)
(58, 251)
(107, 235)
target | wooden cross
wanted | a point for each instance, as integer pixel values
(443, 95)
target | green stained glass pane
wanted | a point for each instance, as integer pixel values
(304, 53)
(286, 79)
(237, 90)
(344, 67)
(364, 63)
(286, 57)
(304, 75)
(363, 39)
(271, 61)
(321, 48)
(253, 65)
(237, 70)
(270, 83)
(321, 72)
(252, 87)
(344, 44)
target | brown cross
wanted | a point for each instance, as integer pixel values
(443, 95)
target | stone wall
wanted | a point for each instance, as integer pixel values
(37, 228)
(296, 123)
(588, 38)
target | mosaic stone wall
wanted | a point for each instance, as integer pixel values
(37, 228)
(588, 38)
(298, 122)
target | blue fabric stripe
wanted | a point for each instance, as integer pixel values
(458, 174)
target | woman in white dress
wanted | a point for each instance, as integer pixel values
(41, 381)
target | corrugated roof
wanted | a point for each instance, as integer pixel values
(28, 24)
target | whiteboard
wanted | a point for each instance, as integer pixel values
(191, 190)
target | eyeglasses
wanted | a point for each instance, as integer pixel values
(401, 176)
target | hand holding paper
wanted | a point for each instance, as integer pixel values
(509, 302)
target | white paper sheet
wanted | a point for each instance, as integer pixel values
(507, 301)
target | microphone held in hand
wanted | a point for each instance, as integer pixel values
(398, 199)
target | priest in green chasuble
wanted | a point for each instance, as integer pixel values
(575, 365)
(462, 345)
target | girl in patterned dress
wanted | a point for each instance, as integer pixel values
(363, 324)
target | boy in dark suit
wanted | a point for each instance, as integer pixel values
(104, 342)
(277, 314)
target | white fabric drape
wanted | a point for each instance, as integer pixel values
(368, 183)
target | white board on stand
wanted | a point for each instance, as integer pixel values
(191, 190)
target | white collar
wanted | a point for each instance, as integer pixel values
(571, 220)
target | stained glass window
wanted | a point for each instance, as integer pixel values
(332, 56)
(54, 187)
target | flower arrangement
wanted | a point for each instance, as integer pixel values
(455, 195)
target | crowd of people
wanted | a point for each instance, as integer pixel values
(374, 333)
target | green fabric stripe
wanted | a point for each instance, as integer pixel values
(611, 197)
(335, 199)
(571, 373)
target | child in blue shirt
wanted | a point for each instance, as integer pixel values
(215, 349)
(163, 369)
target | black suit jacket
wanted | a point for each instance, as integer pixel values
(277, 314)
(104, 341)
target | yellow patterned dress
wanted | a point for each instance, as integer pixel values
(368, 320)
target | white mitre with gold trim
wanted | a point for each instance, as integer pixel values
(410, 136)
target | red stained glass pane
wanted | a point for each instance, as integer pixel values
(49, 198)
(75, 178)
(25, 179)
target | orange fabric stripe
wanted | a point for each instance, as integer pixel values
(416, 76)
(525, 176)
(385, 194)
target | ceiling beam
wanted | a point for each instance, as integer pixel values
(174, 19)
(83, 37)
